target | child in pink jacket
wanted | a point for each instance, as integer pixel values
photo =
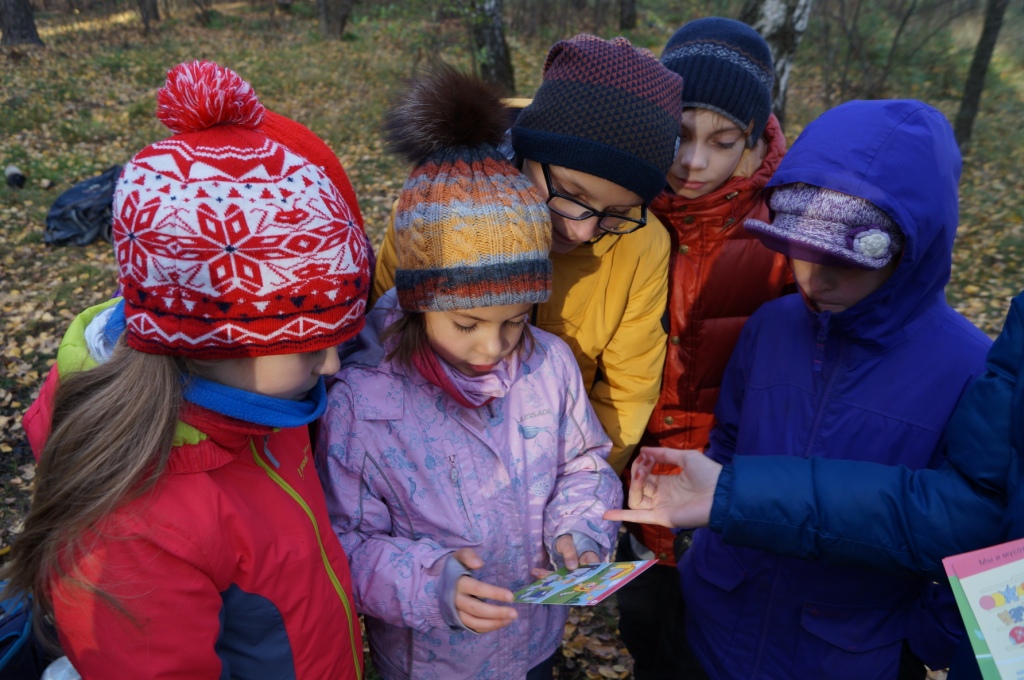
(459, 453)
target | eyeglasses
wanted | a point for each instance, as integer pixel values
(571, 209)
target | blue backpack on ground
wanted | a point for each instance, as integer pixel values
(22, 655)
(83, 213)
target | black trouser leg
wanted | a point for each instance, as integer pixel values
(651, 623)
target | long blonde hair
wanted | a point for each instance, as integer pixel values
(111, 435)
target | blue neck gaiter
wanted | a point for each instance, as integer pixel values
(257, 408)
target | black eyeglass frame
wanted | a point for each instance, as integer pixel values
(589, 211)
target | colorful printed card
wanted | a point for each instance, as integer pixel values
(588, 585)
(989, 589)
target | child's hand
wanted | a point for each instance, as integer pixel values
(566, 547)
(474, 613)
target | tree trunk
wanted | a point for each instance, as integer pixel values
(204, 7)
(994, 11)
(782, 23)
(627, 15)
(17, 24)
(334, 16)
(150, 12)
(487, 31)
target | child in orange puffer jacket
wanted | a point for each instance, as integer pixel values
(730, 145)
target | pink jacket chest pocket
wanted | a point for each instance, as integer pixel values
(433, 495)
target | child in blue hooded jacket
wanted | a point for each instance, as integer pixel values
(867, 363)
(899, 520)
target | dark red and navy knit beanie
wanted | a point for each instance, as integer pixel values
(229, 243)
(605, 108)
(727, 68)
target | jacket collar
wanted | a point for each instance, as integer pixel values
(206, 440)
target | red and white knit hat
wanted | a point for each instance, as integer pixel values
(231, 244)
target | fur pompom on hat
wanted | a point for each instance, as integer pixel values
(470, 229)
(726, 68)
(828, 228)
(229, 243)
(605, 108)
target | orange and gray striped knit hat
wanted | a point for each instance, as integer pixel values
(470, 229)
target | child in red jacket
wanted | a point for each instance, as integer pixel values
(178, 528)
(719, 274)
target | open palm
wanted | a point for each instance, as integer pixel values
(679, 500)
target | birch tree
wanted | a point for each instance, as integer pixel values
(782, 23)
(490, 50)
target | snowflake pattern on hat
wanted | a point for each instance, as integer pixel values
(230, 244)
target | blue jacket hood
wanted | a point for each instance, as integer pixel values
(902, 156)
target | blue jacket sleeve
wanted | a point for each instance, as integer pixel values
(893, 518)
